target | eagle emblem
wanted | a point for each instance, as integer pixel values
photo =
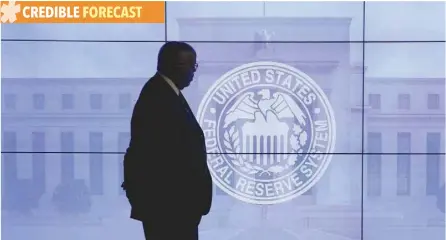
(262, 133)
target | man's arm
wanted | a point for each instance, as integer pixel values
(148, 160)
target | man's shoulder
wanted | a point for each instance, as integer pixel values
(153, 84)
(154, 88)
(156, 91)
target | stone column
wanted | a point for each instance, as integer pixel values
(52, 161)
(355, 146)
(338, 173)
(81, 161)
(356, 133)
(388, 164)
(418, 165)
(442, 170)
(110, 166)
(53, 168)
(24, 162)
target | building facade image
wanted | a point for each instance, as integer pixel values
(78, 128)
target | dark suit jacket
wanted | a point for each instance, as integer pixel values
(165, 167)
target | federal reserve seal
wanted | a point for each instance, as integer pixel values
(269, 130)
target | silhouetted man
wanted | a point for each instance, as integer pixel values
(166, 177)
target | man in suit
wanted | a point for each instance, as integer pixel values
(166, 177)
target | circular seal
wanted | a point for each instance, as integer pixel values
(269, 132)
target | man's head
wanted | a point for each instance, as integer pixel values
(178, 61)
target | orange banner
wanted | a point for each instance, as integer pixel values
(82, 12)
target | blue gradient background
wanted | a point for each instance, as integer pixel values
(68, 91)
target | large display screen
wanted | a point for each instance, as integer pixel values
(328, 119)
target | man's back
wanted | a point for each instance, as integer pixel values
(166, 176)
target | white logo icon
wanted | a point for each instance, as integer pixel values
(270, 130)
(9, 12)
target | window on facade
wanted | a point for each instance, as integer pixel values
(404, 101)
(403, 163)
(67, 157)
(38, 161)
(375, 101)
(96, 163)
(67, 101)
(9, 101)
(433, 101)
(123, 143)
(38, 101)
(374, 164)
(125, 101)
(9, 141)
(96, 101)
(433, 166)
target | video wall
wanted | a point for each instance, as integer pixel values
(343, 138)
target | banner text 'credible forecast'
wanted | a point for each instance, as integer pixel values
(82, 12)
